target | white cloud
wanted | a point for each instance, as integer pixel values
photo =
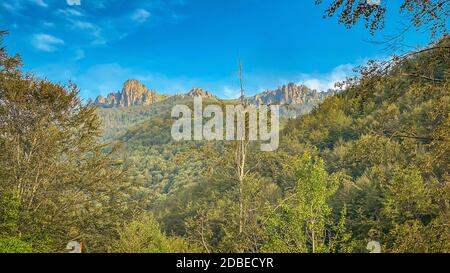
(12, 6)
(40, 3)
(83, 25)
(94, 30)
(46, 42)
(327, 81)
(231, 93)
(70, 12)
(140, 15)
(73, 2)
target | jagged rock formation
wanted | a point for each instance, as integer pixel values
(198, 92)
(133, 93)
(289, 94)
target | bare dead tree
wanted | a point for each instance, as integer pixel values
(240, 159)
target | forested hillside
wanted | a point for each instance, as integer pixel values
(388, 139)
(370, 163)
(157, 164)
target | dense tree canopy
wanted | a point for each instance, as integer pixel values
(56, 183)
(374, 167)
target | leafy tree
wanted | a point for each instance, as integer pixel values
(14, 245)
(300, 222)
(409, 205)
(143, 235)
(56, 183)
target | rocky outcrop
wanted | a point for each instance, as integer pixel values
(133, 93)
(289, 94)
(198, 92)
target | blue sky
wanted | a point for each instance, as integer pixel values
(173, 45)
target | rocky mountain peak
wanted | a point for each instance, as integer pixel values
(295, 99)
(290, 93)
(134, 86)
(133, 93)
(199, 92)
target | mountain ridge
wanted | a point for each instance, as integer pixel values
(290, 93)
(135, 93)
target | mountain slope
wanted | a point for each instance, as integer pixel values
(384, 142)
(388, 139)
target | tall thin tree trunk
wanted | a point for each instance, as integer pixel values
(240, 160)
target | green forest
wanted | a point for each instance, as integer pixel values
(370, 163)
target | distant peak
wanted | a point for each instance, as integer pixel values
(199, 92)
(290, 93)
(133, 93)
(132, 81)
(133, 84)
